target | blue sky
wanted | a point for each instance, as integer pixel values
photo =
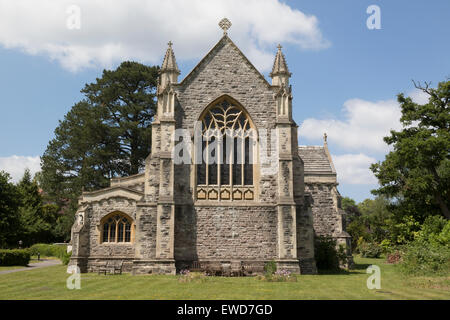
(345, 76)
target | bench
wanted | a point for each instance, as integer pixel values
(111, 266)
(252, 267)
(214, 268)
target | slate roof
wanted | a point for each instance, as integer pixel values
(315, 159)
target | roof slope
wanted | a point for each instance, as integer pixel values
(315, 159)
(210, 55)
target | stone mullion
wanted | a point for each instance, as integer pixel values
(242, 162)
(219, 161)
(207, 166)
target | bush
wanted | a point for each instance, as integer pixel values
(278, 276)
(14, 257)
(404, 231)
(424, 258)
(326, 254)
(394, 257)
(187, 276)
(65, 257)
(429, 253)
(369, 249)
(270, 267)
(386, 245)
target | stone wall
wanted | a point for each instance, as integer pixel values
(326, 216)
(225, 232)
(146, 232)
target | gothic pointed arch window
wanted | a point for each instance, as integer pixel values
(117, 227)
(225, 167)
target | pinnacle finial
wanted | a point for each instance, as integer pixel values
(225, 24)
(169, 62)
(280, 65)
(325, 137)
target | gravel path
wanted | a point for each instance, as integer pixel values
(36, 265)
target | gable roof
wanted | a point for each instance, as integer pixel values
(222, 41)
(316, 160)
(111, 192)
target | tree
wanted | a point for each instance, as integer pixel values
(126, 97)
(417, 172)
(9, 206)
(36, 222)
(377, 217)
(350, 208)
(105, 135)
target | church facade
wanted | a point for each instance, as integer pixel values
(226, 180)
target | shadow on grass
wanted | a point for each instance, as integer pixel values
(355, 267)
(361, 266)
(335, 272)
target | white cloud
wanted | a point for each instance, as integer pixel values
(354, 168)
(419, 97)
(363, 128)
(16, 165)
(112, 31)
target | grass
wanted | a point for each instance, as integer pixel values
(50, 283)
(33, 259)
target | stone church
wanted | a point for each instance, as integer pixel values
(244, 192)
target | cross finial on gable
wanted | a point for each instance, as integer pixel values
(170, 44)
(279, 47)
(225, 24)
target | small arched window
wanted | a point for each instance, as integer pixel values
(116, 227)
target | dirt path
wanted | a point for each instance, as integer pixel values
(36, 265)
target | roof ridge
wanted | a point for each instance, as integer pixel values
(224, 38)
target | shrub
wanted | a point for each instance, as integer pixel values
(65, 257)
(50, 250)
(326, 254)
(369, 249)
(404, 231)
(187, 276)
(429, 253)
(394, 257)
(270, 267)
(342, 256)
(425, 258)
(14, 257)
(386, 245)
(435, 230)
(278, 276)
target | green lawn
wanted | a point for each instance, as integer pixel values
(50, 283)
(32, 260)
(4, 268)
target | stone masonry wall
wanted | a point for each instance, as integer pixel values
(325, 215)
(226, 232)
(146, 232)
(97, 212)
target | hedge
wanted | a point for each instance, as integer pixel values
(47, 250)
(14, 257)
(50, 250)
